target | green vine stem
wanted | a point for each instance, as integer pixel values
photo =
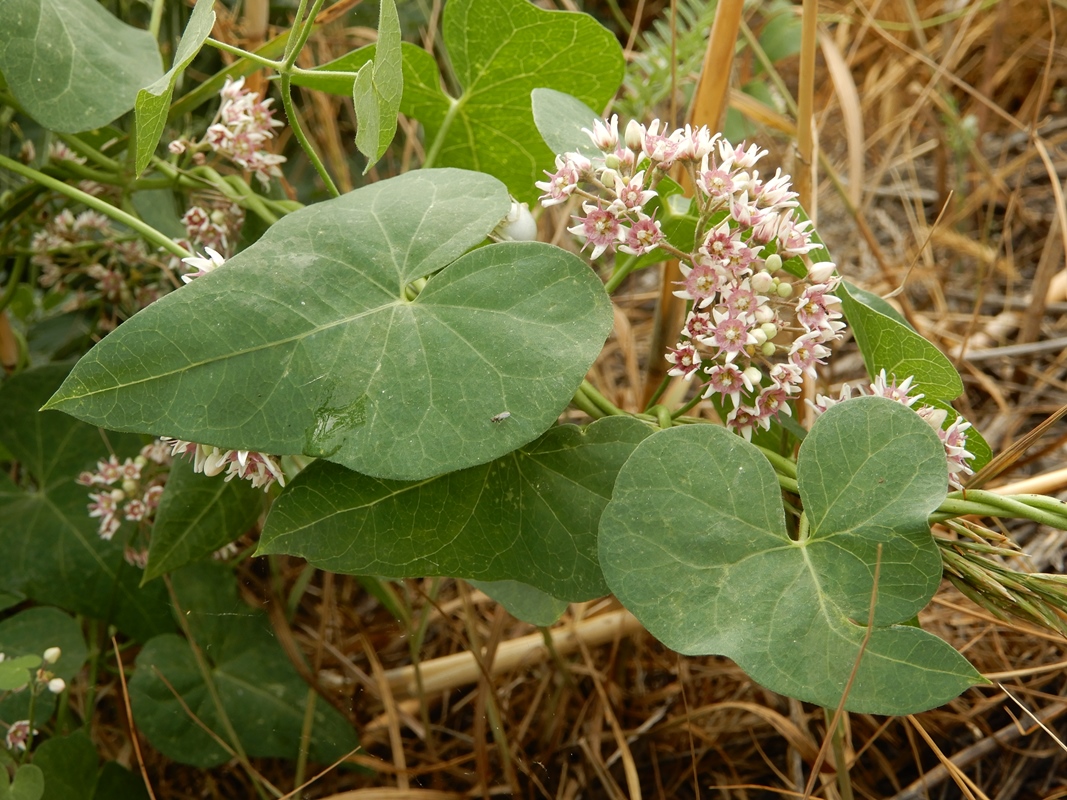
(301, 137)
(439, 141)
(95, 203)
(975, 502)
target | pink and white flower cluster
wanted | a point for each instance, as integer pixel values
(260, 469)
(128, 491)
(754, 330)
(239, 133)
(953, 437)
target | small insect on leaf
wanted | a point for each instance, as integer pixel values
(503, 415)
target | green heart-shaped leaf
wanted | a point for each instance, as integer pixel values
(197, 515)
(307, 342)
(694, 543)
(261, 692)
(500, 51)
(52, 548)
(530, 516)
(71, 65)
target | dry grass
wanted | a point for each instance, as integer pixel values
(921, 114)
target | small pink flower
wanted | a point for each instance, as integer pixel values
(697, 325)
(726, 380)
(743, 420)
(561, 184)
(605, 137)
(18, 735)
(599, 228)
(685, 358)
(700, 285)
(731, 335)
(643, 236)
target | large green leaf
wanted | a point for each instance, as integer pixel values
(889, 344)
(500, 51)
(69, 764)
(52, 550)
(262, 694)
(530, 516)
(71, 65)
(197, 515)
(307, 342)
(694, 543)
(378, 88)
(153, 102)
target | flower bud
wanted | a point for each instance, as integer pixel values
(57, 685)
(768, 349)
(773, 262)
(759, 336)
(51, 655)
(770, 330)
(130, 487)
(753, 375)
(118, 495)
(612, 161)
(821, 272)
(608, 177)
(762, 282)
(635, 135)
(765, 313)
(519, 225)
(785, 290)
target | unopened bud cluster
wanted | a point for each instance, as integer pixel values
(754, 330)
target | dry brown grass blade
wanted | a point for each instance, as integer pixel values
(396, 742)
(851, 112)
(803, 181)
(966, 785)
(1003, 460)
(129, 719)
(998, 740)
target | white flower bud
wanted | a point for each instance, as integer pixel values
(769, 329)
(118, 495)
(785, 290)
(764, 314)
(635, 135)
(762, 282)
(51, 655)
(768, 349)
(759, 336)
(821, 272)
(130, 487)
(773, 262)
(519, 225)
(57, 685)
(753, 375)
(612, 161)
(608, 177)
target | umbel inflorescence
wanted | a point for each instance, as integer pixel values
(763, 315)
(754, 330)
